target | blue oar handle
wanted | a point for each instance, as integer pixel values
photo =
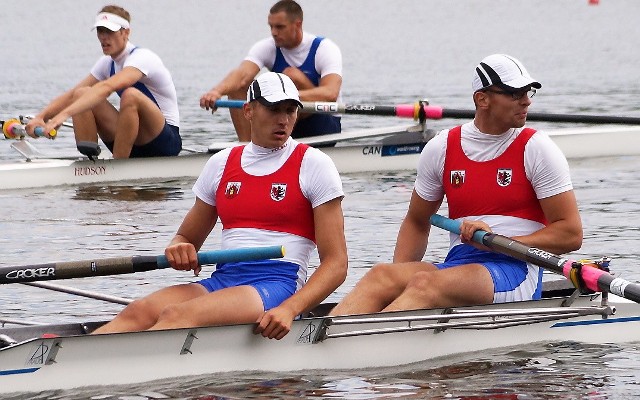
(453, 226)
(14, 129)
(229, 103)
(20, 131)
(232, 255)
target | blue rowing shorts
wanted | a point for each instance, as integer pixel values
(167, 143)
(274, 280)
(316, 124)
(513, 280)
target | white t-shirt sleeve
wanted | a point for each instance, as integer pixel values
(209, 179)
(547, 167)
(144, 60)
(319, 178)
(102, 68)
(262, 53)
(429, 185)
(328, 58)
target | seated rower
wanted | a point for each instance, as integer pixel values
(272, 191)
(313, 63)
(147, 122)
(497, 176)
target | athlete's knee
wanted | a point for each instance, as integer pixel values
(172, 315)
(131, 97)
(422, 280)
(381, 277)
(139, 312)
(423, 285)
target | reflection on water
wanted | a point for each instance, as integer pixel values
(148, 192)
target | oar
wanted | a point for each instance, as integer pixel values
(594, 279)
(27, 118)
(401, 110)
(420, 111)
(435, 112)
(13, 129)
(80, 292)
(126, 265)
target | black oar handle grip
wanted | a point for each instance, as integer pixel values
(76, 269)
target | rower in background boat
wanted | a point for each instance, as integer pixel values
(273, 190)
(147, 123)
(313, 63)
(497, 177)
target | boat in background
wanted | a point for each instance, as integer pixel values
(377, 149)
(597, 141)
(394, 148)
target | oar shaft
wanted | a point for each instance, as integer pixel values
(401, 110)
(80, 292)
(577, 118)
(126, 265)
(361, 109)
(417, 110)
(435, 112)
(594, 278)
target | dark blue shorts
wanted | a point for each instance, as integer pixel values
(316, 124)
(274, 280)
(508, 274)
(167, 143)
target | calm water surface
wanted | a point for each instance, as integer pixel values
(394, 52)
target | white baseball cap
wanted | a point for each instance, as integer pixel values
(503, 70)
(111, 21)
(271, 88)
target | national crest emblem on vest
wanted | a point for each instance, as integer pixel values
(457, 178)
(504, 176)
(278, 191)
(232, 190)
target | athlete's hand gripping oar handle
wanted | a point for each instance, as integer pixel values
(594, 279)
(13, 129)
(232, 255)
(127, 265)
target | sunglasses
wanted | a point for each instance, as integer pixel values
(515, 95)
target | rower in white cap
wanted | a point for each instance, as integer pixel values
(497, 176)
(147, 121)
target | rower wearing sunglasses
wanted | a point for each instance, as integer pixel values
(497, 176)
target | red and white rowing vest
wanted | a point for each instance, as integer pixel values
(494, 187)
(273, 202)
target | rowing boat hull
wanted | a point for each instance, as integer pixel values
(355, 157)
(349, 158)
(84, 360)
